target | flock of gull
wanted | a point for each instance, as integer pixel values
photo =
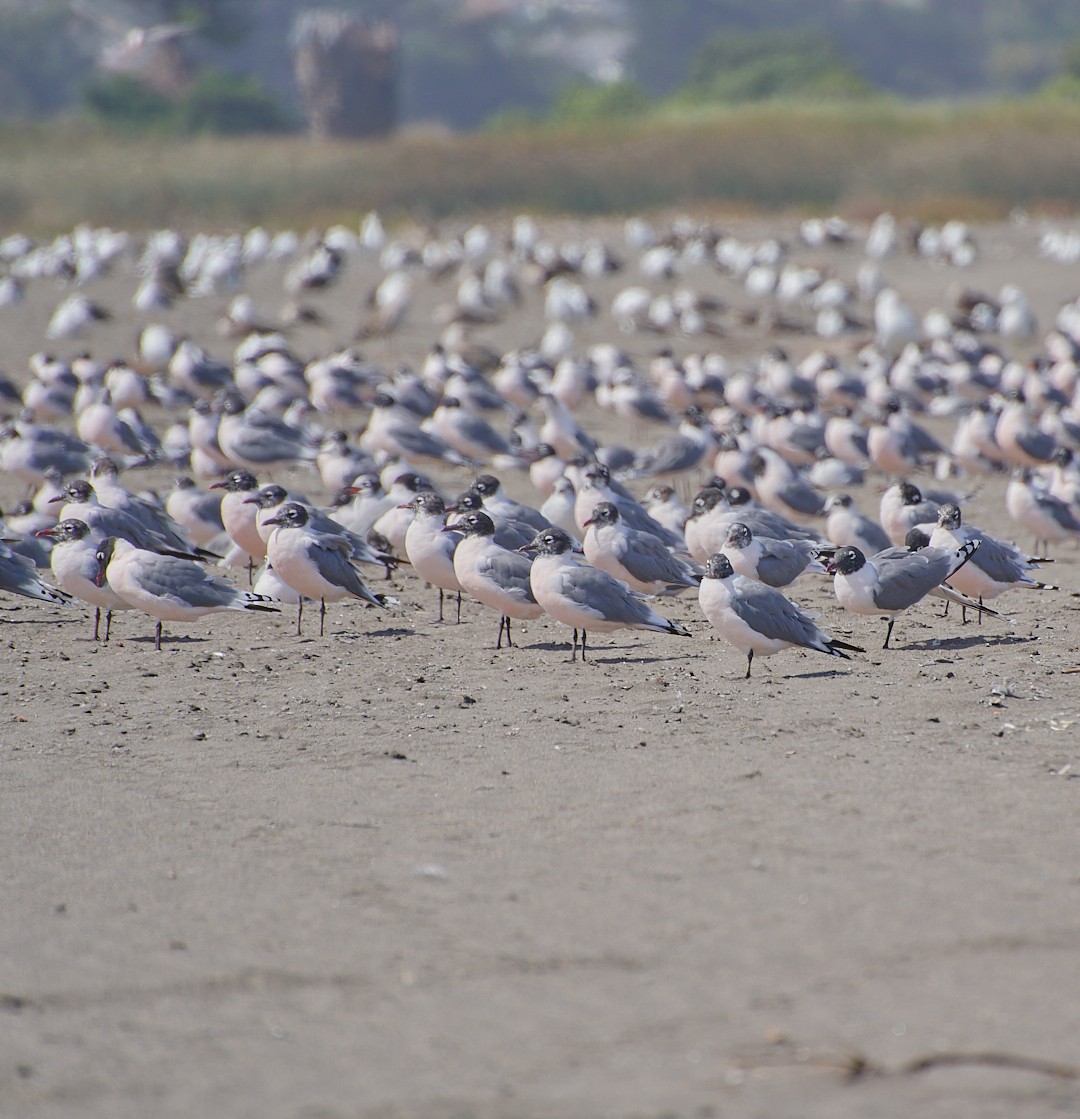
(304, 479)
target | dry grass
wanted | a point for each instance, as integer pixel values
(975, 161)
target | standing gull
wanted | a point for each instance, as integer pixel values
(492, 574)
(755, 618)
(168, 588)
(430, 549)
(639, 559)
(74, 563)
(889, 583)
(315, 564)
(584, 597)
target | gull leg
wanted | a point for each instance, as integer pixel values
(97, 621)
(157, 637)
(108, 625)
(749, 662)
(459, 608)
(322, 615)
(583, 636)
(440, 603)
(888, 632)
(299, 613)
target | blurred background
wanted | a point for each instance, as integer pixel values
(370, 67)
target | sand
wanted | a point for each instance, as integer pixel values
(392, 873)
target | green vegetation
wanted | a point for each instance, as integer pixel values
(217, 103)
(854, 158)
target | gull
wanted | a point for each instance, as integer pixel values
(109, 491)
(639, 559)
(1048, 518)
(998, 565)
(558, 507)
(253, 439)
(393, 430)
(495, 576)
(597, 485)
(755, 618)
(80, 502)
(469, 434)
(168, 588)
(583, 597)
(339, 464)
(902, 508)
(498, 504)
(28, 451)
(665, 506)
(778, 563)
(845, 526)
(315, 564)
(888, 583)
(430, 549)
(197, 512)
(270, 500)
(74, 563)
(781, 488)
(509, 531)
(240, 518)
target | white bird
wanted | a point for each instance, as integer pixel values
(639, 559)
(891, 582)
(430, 549)
(777, 563)
(315, 564)
(585, 598)
(755, 618)
(495, 576)
(74, 563)
(168, 588)
(996, 567)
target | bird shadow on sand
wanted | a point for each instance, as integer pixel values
(820, 674)
(969, 641)
(390, 631)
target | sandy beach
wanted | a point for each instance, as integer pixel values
(391, 873)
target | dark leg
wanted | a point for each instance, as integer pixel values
(583, 636)
(157, 637)
(251, 570)
(97, 621)
(573, 647)
(299, 614)
(322, 615)
(980, 610)
(945, 613)
(749, 662)
(963, 615)
(440, 603)
(108, 625)
(888, 633)
(504, 623)
(459, 608)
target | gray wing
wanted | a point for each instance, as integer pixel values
(510, 571)
(415, 442)
(512, 534)
(636, 517)
(670, 455)
(1037, 444)
(905, 579)
(783, 562)
(647, 559)
(1002, 562)
(330, 555)
(18, 576)
(268, 445)
(873, 536)
(359, 549)
(801, 497)
(773, 615)
(183, 581)
(478, 430)
(607, 597)
(1054, 507)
